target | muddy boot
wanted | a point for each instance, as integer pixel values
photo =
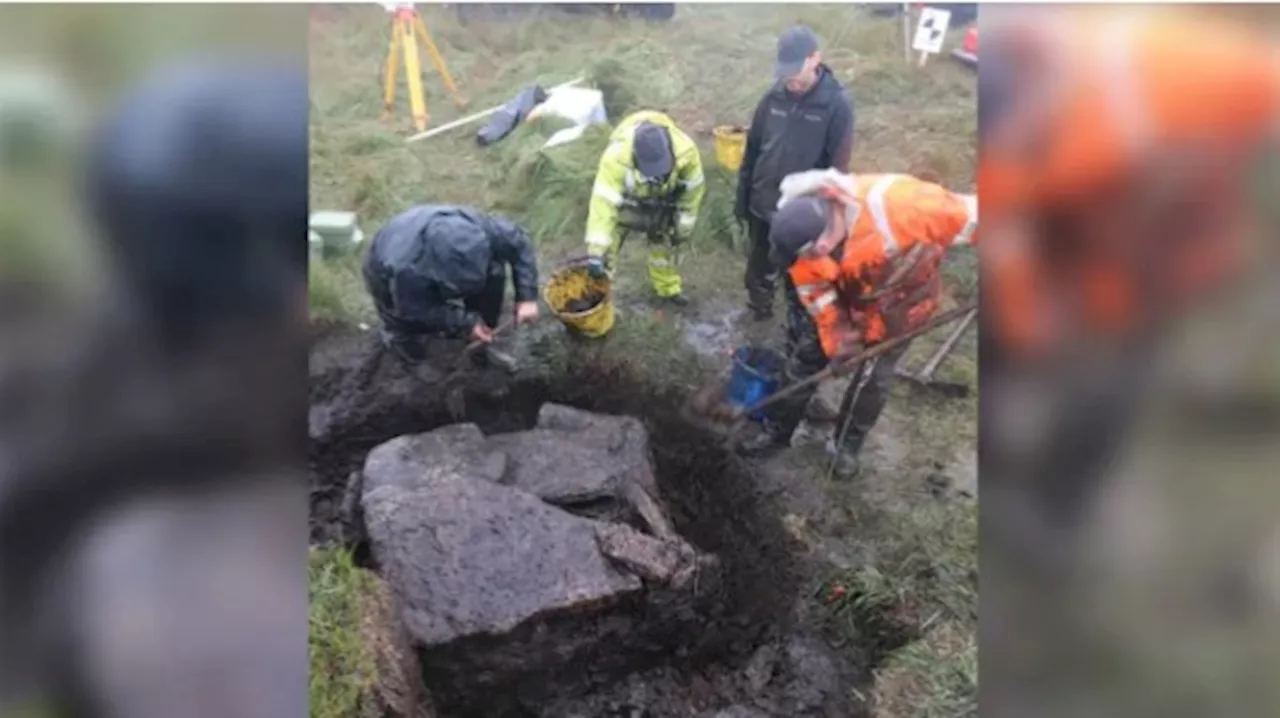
(408, 350)
(675, 300)
(846, 463)
(757, 441)
(760, 312)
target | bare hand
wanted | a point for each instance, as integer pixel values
(526, 312)
(482, 333)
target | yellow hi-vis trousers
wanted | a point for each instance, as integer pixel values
(664, 261)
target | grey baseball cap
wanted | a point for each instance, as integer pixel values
(653, 154)
(797, 223)
(795, 45)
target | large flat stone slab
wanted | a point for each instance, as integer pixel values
(470, 557)
(507, 587)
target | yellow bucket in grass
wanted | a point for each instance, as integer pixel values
(730, 144)
(572, 282)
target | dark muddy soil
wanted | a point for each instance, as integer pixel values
(585, 303)
(361, 397)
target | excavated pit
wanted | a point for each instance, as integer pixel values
(653, 652)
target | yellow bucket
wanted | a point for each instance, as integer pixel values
(572, 281)
(730, 144)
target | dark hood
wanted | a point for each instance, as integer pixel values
(457, 255)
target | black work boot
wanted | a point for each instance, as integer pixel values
(409, 350)
(845, 464)
(758, 441)
(678, 300)
(760, 304)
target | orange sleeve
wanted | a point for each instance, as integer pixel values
(817, 285)
(934, 214)
(1012, 279)
(1004, 187)
(947, 218)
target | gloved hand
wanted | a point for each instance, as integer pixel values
(596, 268)
(850, 348)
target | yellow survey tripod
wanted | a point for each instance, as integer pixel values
(406, 28)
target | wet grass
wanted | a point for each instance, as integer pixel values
(911, 609)
(707, 67)
(343, 668)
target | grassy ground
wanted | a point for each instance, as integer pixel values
(342, 669)
(358, 667)
(914, 555)
(707, 67)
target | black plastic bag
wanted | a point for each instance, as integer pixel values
(511, 114)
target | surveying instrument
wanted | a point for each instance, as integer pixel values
(406, 28)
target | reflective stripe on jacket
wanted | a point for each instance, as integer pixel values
(618, 183)
(1130, 90)
(846, 295)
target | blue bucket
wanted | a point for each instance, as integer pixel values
(756, 374)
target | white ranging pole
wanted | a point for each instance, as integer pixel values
(930, 32)
(479, 115)
(906, 31)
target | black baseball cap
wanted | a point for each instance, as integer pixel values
(652, 147)
(795, 45)
(797, 223)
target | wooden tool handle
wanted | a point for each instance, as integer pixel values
(848, 364)
(504, 326)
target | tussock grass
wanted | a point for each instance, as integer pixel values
(336, 290)
(934, 677)
(706, 67)
(915, 602)
(343, 671)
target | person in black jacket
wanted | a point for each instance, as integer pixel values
(440, 271)
(150, 438)
(804, 122)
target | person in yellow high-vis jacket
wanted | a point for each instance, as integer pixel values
(650, 184)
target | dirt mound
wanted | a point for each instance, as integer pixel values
(585, 303)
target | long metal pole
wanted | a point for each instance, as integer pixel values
(906, 31)
(927, 372)
(851, 362)
(479, 115)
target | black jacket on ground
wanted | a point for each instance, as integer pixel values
(793, 134)
(426, 262)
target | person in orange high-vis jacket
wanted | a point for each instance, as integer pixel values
(863, 254)
(1113, 169)
(1118, 141)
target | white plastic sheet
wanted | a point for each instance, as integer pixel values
(581, 106)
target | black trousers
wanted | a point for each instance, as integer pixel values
(410, 339)
(762, 277)
(805, 358)
(488, 303)
(1092, 412)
